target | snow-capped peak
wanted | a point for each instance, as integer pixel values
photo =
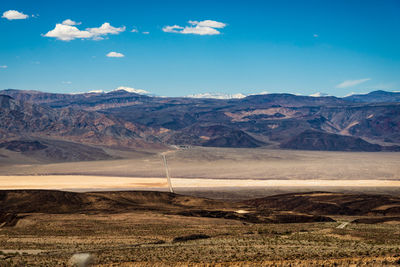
(131, 90)
(319, 94)
(96, 92)
(217, 96)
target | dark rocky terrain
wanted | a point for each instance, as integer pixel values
(16, 202)
(368, 122)
(284, 208)
(326, 203)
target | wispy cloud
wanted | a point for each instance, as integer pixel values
(350, 83)
(3, 66)
(205, 27)
(115, 54)
(14, 14)
(66, 31)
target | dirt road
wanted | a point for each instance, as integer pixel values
(343, 225)
(167, 172)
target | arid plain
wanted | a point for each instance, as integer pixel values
(210, 169)
(199, 133)
(214, 217)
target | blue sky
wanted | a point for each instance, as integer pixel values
(336, 47)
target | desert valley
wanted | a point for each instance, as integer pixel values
(255, 181)
(199, 133)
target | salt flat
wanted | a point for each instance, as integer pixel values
(88, 182)
(80, 182)
(224, 163)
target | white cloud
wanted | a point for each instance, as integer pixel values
(3, 66)
(71, 22)
(350, 83)
(132, 90)
(66, 82)
(134, 30)
(65, 32)
(115, 54)
(145, 32)
(208, 23)
(316, 35)
(200, 30)
(14, 14)
(205, 27)
(173, 28)
(105, 29)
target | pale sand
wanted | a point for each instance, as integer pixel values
(64, 182)
(281, 183)
(77, 182)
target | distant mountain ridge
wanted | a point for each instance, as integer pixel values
(375, 97)
(122, 118)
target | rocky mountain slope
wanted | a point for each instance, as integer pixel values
(315, 140)
(275, 120)
(46, 150)
(20, 119)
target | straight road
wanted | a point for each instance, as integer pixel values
(167, 172)
(343, 225)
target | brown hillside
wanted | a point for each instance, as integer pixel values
(17, 202)
(324, 203)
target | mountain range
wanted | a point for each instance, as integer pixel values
(122, 119)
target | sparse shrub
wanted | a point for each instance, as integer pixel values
(158, 242)
(190, 237)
